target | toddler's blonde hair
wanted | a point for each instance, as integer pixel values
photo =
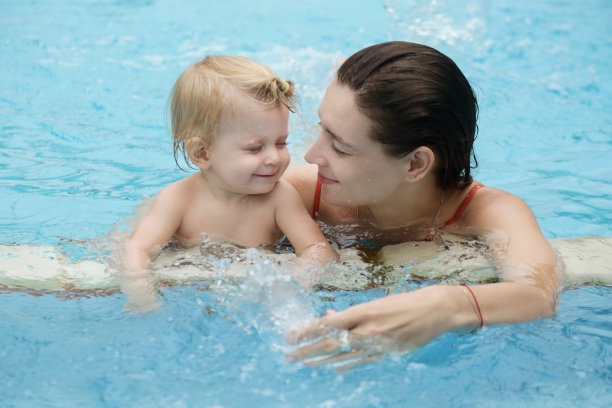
(208, 87)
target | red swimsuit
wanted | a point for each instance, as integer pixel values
(462, 207)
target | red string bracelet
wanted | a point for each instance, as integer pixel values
(475, 302)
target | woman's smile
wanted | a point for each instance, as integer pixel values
(325, 180)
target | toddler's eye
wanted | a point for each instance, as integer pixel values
(281, 143)
(253, 149)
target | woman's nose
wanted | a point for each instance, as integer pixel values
(314, 154)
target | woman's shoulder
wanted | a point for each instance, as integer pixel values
(491, 205)
(301, 175)
(493, 197)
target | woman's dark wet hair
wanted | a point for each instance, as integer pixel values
(416, 96)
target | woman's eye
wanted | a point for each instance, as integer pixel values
(331, 142)
(338, 151)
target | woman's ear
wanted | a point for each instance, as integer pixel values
(196, 148)
(419, 163)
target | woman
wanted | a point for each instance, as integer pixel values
(394, 155)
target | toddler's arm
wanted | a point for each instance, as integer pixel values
(150, 235)
(305, 236)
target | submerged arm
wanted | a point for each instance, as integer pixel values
(528, 273)
(150, 235)
(527, 291)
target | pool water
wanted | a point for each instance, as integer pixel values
(83, 89)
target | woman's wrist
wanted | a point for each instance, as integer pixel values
(474, 301)
(466, 316)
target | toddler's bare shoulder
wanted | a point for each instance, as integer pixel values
(178, 192)
(285, 193)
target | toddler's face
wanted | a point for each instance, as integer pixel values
(249, 154)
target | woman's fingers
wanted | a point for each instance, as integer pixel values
(324, 326)
(336, 346)
(325, 346)
(369, 331)
(336, 358)
(369, 358)
(336, 353)
(339, 346)
(313, 329)
(330, 312)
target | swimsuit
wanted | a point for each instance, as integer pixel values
(317, 200)
(462, 207)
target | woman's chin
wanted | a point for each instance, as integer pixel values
(333, 198)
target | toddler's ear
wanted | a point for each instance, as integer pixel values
(196, 148)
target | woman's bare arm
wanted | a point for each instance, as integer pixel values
(528, 273)
(527, 291)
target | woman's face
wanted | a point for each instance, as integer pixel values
(353, 168)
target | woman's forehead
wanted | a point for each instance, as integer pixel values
(339, 112)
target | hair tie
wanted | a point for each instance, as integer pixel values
(284, 87)
(477, 306)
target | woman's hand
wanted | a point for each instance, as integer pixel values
(392, 324)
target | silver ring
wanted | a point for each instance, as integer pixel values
(345, 344)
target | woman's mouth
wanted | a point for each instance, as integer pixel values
(325, 180)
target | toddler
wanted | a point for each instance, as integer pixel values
(229, 118)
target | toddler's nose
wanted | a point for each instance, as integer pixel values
(272, 157)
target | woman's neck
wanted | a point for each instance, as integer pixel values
(414, 206)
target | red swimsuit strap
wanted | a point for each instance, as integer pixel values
(462, 207)
(317, 200)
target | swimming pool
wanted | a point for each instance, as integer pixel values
(82, 97)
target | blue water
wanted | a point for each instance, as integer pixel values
(83, 89)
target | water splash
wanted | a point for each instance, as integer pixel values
(270, 300)
(440, 24)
